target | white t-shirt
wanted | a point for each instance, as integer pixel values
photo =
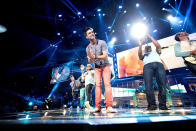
(151, 57)
(89, 78)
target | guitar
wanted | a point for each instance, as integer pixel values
(191, 59)
(188, 46)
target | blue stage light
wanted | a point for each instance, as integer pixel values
(120, 6)
(74, 32)
(60, 15)
(137, 5)
(2, 29)
(79, 13)
(30, 103)
(139, 30)
(165, 1)
(111, 43)
(154, 31)
(181, 21)
(98, 10)
(58, 33)
(172, 19)
(99, 14)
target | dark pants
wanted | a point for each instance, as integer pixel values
(75, 95)
(150, 70)
(191, 67)
(89, 89)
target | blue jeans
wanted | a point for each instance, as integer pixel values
(149, 71)
(82, 97)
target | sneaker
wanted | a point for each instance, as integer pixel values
(111, 110)
(151, 108)
(87, 104)
(70, 108)
(96, 110)
(163, 108)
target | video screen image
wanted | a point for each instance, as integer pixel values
(60, 73)
(129, 64)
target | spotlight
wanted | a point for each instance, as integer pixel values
(74, 32)
(79, 13)
(172, 19)
(154, 31)
(137, 5)
(103, 14)
(120, 6)
(180, 22)
(139, 30)
(127, 41)
(109, 27)
(113, 40)
(99, 14)
(125, 11)
(30, 103)
(2, 29)
(111, 43)
(163, 8)
(98, 10)
(58, 33)
(60, 15)
(165, 1)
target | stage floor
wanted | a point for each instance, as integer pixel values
(75, 116)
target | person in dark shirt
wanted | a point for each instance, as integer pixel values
(75, 90)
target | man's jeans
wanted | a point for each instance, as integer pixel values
(82, 97)
(157, 69)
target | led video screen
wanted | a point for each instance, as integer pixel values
(129, 64)
(60, 74)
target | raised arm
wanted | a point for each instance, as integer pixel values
(141, 57)
(89, 56)
(157, 45)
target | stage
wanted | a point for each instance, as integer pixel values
(176, 117)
